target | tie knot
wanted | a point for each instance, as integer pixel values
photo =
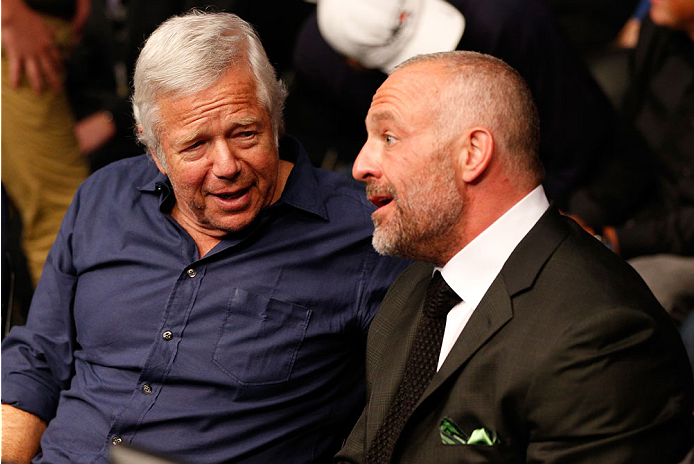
(440, 298)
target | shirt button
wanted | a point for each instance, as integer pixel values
(115, 441)
(191, 272)
(168, 335)
(146, 389)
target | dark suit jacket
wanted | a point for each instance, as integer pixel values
(567, 358)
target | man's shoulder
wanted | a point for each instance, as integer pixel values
(134, 168)
(571, 272)
(308, 184)
(343, 197)
(136, 171)
(340, 186)
(583, 277)
(116, 183)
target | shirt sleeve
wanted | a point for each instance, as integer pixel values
(37, 359)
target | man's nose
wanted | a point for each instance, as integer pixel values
(225, 162)
(366, 165)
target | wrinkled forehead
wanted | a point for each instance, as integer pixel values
(410, 92)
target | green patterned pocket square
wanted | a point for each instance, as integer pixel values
(452, 435)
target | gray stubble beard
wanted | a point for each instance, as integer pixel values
(423, 219)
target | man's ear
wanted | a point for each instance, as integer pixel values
(156, 161)
(478, 148)
(151, 153)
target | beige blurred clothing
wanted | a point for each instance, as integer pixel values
(41, 161)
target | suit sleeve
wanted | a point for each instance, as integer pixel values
(580, 408)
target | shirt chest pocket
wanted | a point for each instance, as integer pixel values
(260, 338)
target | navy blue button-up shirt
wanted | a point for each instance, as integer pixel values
(253, 353)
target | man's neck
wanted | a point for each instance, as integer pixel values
(481, 214)
(205, 239)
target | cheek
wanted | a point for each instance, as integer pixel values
(263, 169)
(265, 174)
(406, 197)
(187, 181)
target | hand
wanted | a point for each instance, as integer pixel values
(94, 131)
(628, 37)
(30, 48)
(83, 9)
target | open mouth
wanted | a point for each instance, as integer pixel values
(380, 195)
(231, 195)
(380, 200)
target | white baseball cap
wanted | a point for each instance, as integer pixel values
(384, 33)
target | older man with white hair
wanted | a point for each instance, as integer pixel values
(211, 301)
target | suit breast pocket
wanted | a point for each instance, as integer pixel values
(478, 454)
(260, 338)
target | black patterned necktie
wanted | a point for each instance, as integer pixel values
(419, 368)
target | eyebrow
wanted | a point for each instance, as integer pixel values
(183, 141)
(243, 122)
(249, 121)
(381, 116)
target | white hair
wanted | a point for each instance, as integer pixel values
(188, 54)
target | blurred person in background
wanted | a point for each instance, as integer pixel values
(655, 232)
(41, 161)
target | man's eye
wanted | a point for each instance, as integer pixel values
(247, 133)
(389, 139)
(194, 145)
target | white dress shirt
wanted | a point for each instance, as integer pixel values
(472, 270)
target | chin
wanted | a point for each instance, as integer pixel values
(234, 221)
(231, 226)
(387, 243)
(383, 241)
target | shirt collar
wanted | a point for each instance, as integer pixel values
(155, 181)
(472, 270)
(301, 191)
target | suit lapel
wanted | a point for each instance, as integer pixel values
(490, 315)
(392, 341)
(395, 325)
(496, 308)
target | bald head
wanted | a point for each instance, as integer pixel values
(452, 144)
(474, 89)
